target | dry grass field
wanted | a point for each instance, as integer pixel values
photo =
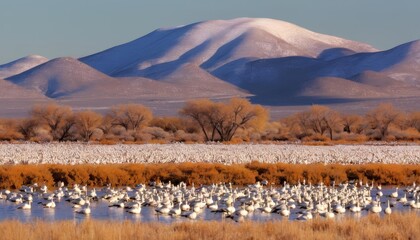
(14, 176)
(395, 226)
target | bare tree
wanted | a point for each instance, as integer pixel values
(413, 120)
(200, 112)
(300, 122)
(319, 120)
(169, 124)
(9, 129)
(86, 123)
(239, 113)
(106, 125)
(381, 118)
(352, 123)
(222, 120)
(130, 116)
(57, 119)
(294, 126)
(332, 121)
(27, 127)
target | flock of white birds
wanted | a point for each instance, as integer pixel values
(79, 153)
(303, 201)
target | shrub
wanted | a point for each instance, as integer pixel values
(14, 176)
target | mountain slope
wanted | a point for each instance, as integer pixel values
(68, 78)
(9, 90)
(212, 44)
(395, 72)
(20, 65)
(60, 77)
(332, 87)
(401, 62)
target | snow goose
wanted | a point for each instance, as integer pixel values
(50, 204)
(395, 193)
(214, 207)
(416, 204)
(285, 212)
(85, 210)
(403, 199)
(175, 211)
(356, 208)
(376, 208)
(24, 206)
(328, 213)
(388, 209)
(135, 209)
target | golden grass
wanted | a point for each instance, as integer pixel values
(395, 226)
(14, 176)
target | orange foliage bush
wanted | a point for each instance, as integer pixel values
(14, 176)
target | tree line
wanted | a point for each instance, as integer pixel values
(204, 120)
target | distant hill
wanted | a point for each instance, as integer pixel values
(20, 65)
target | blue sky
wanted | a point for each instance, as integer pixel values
(54, 28)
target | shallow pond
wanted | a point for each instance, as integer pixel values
(100, 210)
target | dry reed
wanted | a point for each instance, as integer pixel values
(396, 226)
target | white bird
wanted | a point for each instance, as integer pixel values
(250, 208)
(16, 198)
(388, 209)
(175, 211)
(26, 205)
(376, 208)
(356, 208)
(190, 215)
(43, 189)
(328, 213)
(241, 212)
(305, 216)
(230, 210)
(136, 209)
(164, 210)
(395, 193)
(85, 210)
(416, 205)
(185, 206)
(340, 209)
(50, 204)
(403, 200)
(214, 207)
(266, 209)
(285, 212)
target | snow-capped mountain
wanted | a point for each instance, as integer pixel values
(212, 44)
(276, 62)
